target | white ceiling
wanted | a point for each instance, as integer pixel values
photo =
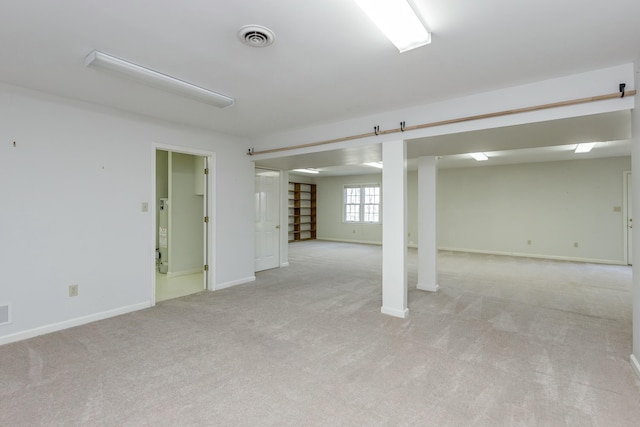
(328, 62)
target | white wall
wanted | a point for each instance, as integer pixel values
(72, 189)
(498, 209)
(329, 211)
(293, 177)
(635, 154)
(553, 204)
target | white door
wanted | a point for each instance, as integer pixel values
(267, 199)
(629, 217)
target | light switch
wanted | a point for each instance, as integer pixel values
(145, 207)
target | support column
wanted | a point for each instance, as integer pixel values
(427, 233)
(635, 211)
(394, 229)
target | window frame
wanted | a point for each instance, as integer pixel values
(361, 203)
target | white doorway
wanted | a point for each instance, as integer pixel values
(628, 216)
(181, 222)
(267, 201)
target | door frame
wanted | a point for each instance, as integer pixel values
(210, 235)
(626, 207)
(280, 212)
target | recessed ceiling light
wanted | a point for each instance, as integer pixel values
(308, 170)
(374, 164)
(585, 147)
(481, 157)
(398, 21)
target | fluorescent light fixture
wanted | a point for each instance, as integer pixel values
(397, 20)
(481, 157)
(156, 79)
(307, 170)
(585, 147)
(374, 164)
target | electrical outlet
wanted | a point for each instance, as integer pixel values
(528, 242)
(73, 290)
(575, 244)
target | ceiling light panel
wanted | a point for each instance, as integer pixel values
(374, 164)
(585, 147)
(481, 157)
(398, 21)
(157, 79)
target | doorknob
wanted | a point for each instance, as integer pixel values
(278, 226)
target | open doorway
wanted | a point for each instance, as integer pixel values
(181, 208)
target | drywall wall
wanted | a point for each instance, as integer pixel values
(329, 223)
(293, 177)
(537, 209)
(635, 154)
(71, 213)
(499, 209)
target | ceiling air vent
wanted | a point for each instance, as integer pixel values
(256, 36)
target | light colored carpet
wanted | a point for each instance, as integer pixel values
(505, 342)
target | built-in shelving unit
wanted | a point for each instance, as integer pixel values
(302, 211)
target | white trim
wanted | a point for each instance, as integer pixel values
(403, 314)
(209, 278)
(364, 242)
(635, 365)
(184, 272)
(54, 327)
(281, 236)
(476, 251)
(362, 203)
(284, 264)
(626, 176)
(235, 283)
(539, 256)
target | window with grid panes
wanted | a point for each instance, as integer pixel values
(362, 203)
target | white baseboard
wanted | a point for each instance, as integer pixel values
(364, 242)
(503, 253)
(234, 283)
(285, 264)
(430, 287)
(184, 272)
(395, 312)
(538, 256)
(54, 327)
(635, 365)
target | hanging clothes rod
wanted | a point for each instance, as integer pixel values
(403, 128)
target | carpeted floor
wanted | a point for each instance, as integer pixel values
(505, 342)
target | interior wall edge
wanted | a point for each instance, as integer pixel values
(78, 321)
(232, 283)
(635, 365)
(537, 256)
